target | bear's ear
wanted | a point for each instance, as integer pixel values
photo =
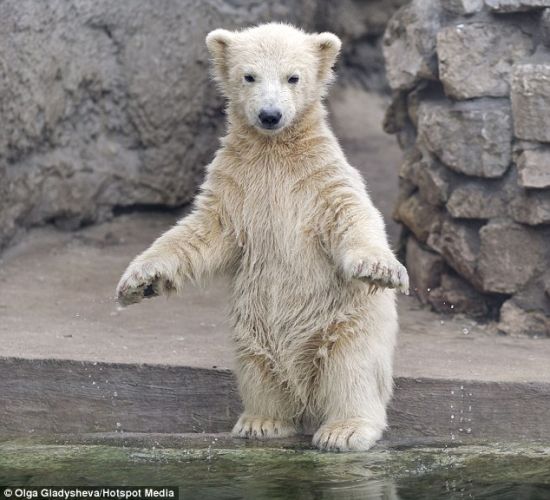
(327, 46)
(218, 42)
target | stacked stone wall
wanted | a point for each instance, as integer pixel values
(471, 110)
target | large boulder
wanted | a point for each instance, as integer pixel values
(107, 105)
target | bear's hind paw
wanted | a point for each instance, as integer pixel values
(354, 434)
(251, 427)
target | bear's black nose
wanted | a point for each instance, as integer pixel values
(269, 117)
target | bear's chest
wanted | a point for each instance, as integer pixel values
(274, 221)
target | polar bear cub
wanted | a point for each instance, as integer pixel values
(289, 220)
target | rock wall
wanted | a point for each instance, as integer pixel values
(108, 105)
(471, 110)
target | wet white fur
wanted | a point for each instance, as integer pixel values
(290, 221)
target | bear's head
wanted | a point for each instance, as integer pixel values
(271, 74)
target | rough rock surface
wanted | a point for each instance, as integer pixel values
(475, 185)
(425, 268)
(516, 5)
(531, 101)
(508, 257)
(462, 7)
(545, 27)
(409, 44)
(360, 25)
(460, 245)
(455, 295)
(472, 138)
(518, 321)
(420, 218)
(531, 207)
(476, 59)
(534, 168)
(433, 181)
(473, 200)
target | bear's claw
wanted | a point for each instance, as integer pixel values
(382, 271)
(262, 428)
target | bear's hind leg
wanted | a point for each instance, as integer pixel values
(268, 408)
(355, 386)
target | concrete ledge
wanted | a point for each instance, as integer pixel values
(57, 396)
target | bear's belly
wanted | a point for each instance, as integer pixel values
(285, 282)
(288, 286)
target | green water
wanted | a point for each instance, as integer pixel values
(219, 471)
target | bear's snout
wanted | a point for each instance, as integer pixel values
(270, 117)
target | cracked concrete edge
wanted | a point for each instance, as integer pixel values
(51, 397)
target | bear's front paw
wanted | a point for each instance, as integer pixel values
(262, 428)
(381, 269)
(142, 279)
(354, 434)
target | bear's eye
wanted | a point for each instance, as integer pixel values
(249, 78)
(293, 79)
